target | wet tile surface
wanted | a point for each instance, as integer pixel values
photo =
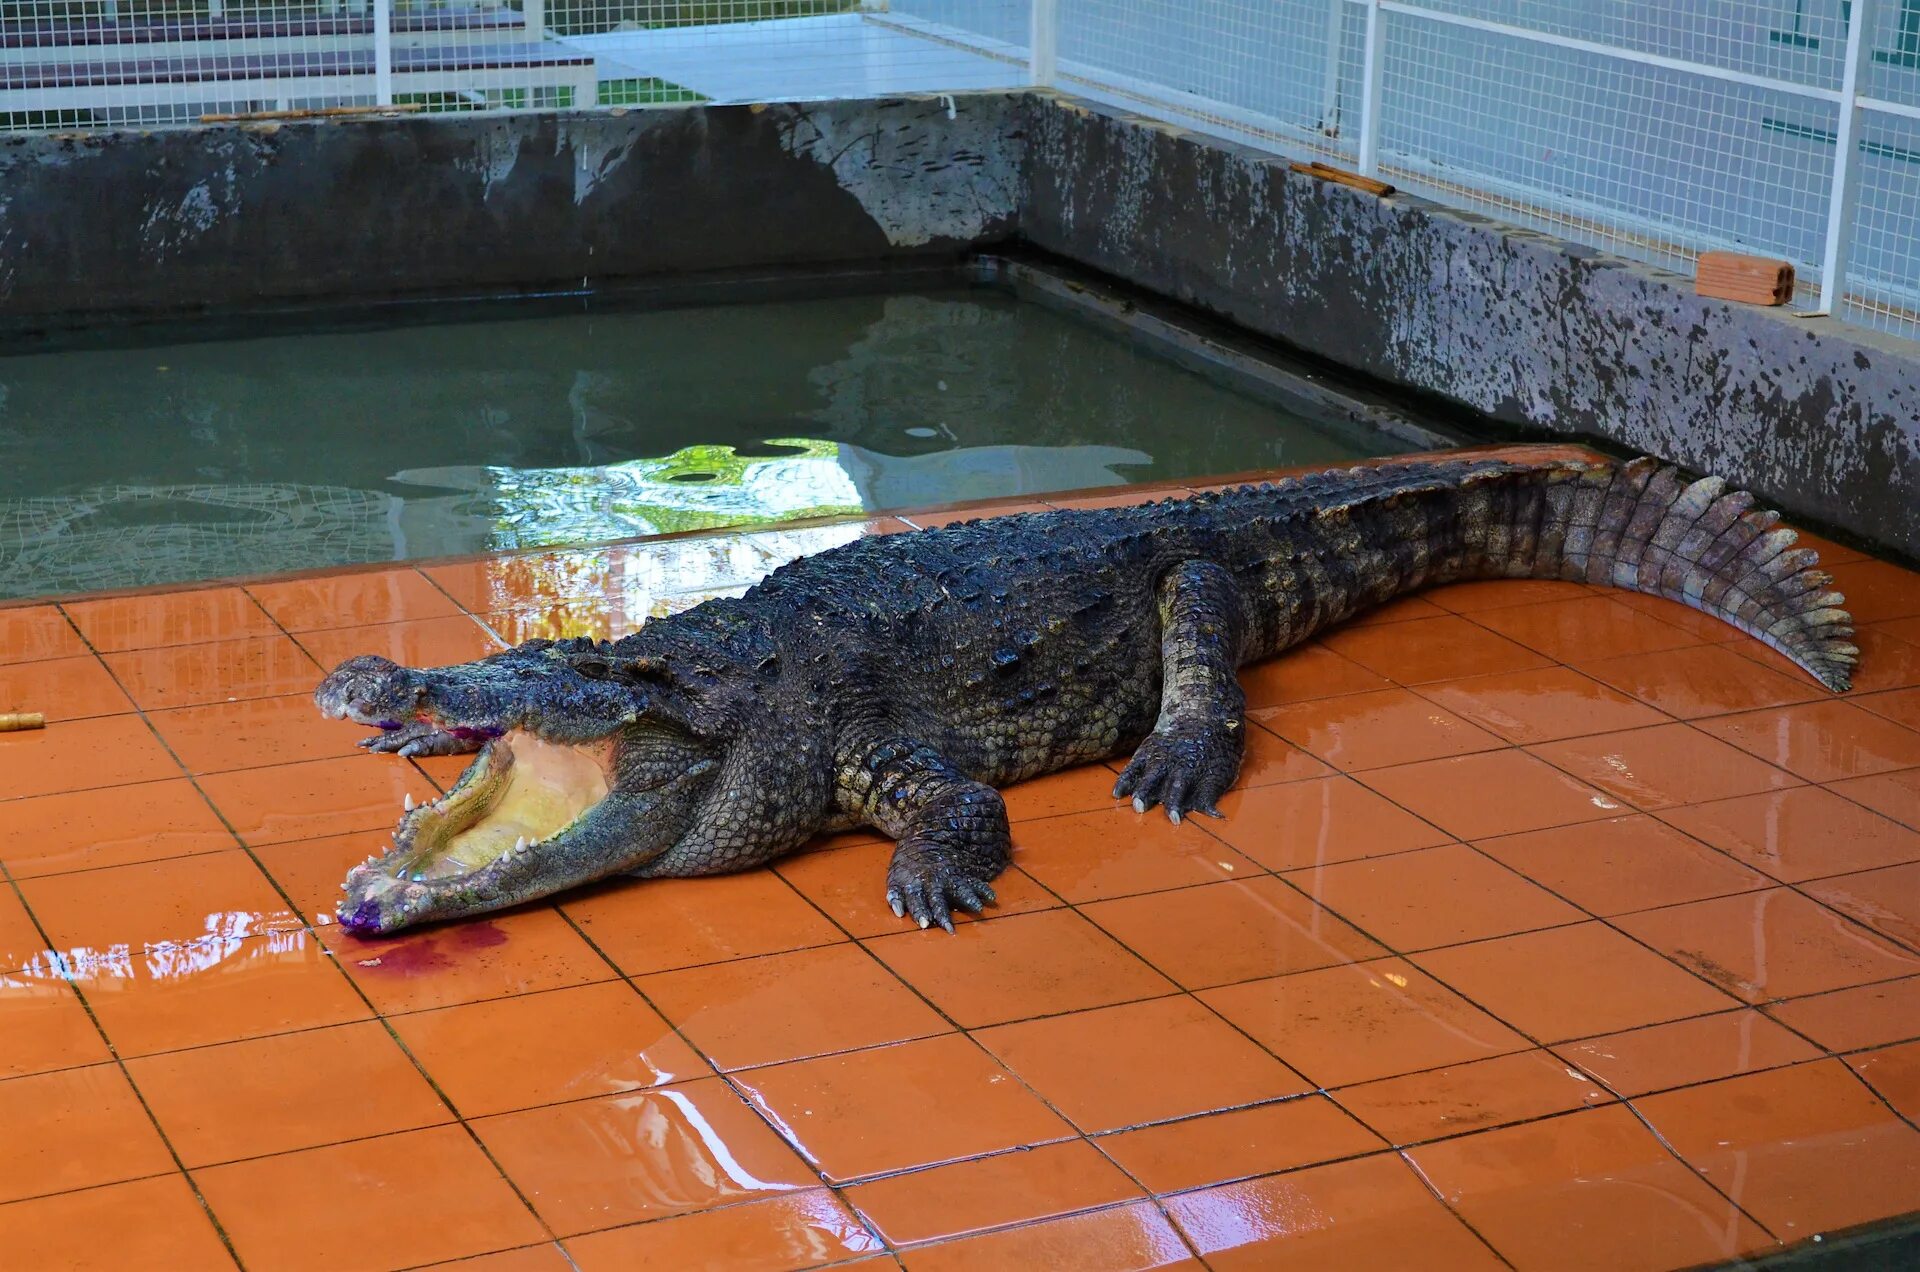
(1511, 867)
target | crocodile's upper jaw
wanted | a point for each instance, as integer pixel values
(483, 844)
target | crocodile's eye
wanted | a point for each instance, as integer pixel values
(592, 668)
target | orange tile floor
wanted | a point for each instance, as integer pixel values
(1547, 928)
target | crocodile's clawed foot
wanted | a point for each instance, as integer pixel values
(1185, 766)
(420, 739)
(929, 883)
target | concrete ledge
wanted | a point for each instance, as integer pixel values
(140, 221)
(1819, 418)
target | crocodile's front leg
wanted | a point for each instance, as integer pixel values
(952, 829)
(1193, 753)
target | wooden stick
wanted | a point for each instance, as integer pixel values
(1756, 280)
(21, 721)
(315, 112)
(1340, 176)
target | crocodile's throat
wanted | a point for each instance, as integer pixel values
(519, 793)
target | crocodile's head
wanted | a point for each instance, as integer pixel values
(590, 763)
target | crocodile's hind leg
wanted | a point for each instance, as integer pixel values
(952, 829)
(1193, 753)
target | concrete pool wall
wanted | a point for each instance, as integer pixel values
(1538, 334)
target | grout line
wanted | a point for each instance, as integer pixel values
(1451, 1209)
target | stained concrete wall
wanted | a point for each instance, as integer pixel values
(1819, 417)
(116, 221)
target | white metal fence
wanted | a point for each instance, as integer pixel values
(1656, 129)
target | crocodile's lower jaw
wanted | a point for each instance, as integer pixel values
(481, 839)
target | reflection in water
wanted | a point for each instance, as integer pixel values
(228, 456)
(228, 934)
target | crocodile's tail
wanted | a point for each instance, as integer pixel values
(1643, 526)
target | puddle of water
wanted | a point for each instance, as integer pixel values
(161, 462)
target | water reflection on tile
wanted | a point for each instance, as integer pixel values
(804, 1230)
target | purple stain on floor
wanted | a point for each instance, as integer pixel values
(437, 949)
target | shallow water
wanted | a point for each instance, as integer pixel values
(161, 462)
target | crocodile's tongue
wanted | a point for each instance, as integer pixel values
(542, 788)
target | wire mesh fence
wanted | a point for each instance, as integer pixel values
(1789, 128)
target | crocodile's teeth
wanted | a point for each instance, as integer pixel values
(409, 801)
(520, 844)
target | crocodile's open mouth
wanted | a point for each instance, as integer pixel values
(483, 839)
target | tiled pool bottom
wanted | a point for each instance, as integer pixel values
(1546, 929)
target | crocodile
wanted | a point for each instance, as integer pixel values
(896, 681)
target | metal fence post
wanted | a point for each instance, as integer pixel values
(1043, 43)
(1330, 89)
(383, 52)
(1372, 69)
(1842, 195)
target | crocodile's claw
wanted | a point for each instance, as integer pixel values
(930, 884)
(1185, 766)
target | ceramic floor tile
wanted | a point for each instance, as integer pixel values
(991, 1192)
(32, 632)
(803, 1230)
(159, 903)
(1470, 1097)
(43, 1027)
(61, 689)
(1227, 932)
(1877, 590)
(328, 1207)
(1436, 896)
(1085, 788)
(1591, 1190)
(218, 671)
(1026, 965)
(1573, 982)
(21, 943)
(1864, 1016)
(1894, 795)
(82, 830)
(1073, 1062)
(1797, 834)
(847, 1112)
(1369, 1213)
(1453, 794)
(1372, 730)
(420, 642)
(546, 1257)
(255, 733)
(1821, 741)
(1121, 1239)
(849, 883)
(972, 512)
(526, 579)
(147, 1223)
(82, 755)
(597, 618)
(1766, 945)
(656, 925)
(1269, 758)
(1886, 662)
(1664, 766)
(1200, 1151)
(1895, 1073)
(517, 952)
(310, 871)
(1702, 680)
(1888, 901)
(1902, 629)
(1404, 609)
(185, 617)
(1804, 1150)
(755, 1011)
(1622, 864)
(641, 1155)
(546, 1048)
(274, 1095)
(1587, 629)
(1309, 823)
(214, 990)
(1902, 706)
(1355, 1023)
(1490, 594)
(353, 600)
(74, 1129)
(1303, 673)
(1541, 705)
(1704, 1049)
(1117, 852)
(316, 798)
(1428, 649)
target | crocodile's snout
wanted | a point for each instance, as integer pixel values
(369, 689)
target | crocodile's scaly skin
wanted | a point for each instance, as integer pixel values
(895, 682)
